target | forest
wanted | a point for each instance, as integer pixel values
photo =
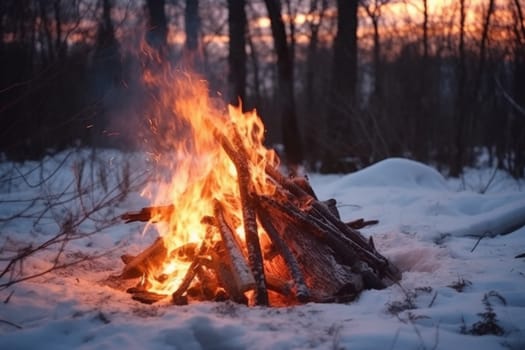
(339, 84)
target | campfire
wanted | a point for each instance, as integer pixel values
(232, 226)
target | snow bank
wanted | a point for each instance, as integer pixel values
(395, 172)
(412, 198)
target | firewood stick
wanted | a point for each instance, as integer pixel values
(243, 277)
(161, 213)
(301, 290)
(357, 242)
(192, 270)
(146, 297)
(286, 183)
(224, 273)
(321, 208)
(296, 217)
(136, 266)
(239, 158)
(360, 244)
(279, 285)
(317, 205)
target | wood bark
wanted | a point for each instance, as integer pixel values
(242, 276)
(237, 154)
(301, 290)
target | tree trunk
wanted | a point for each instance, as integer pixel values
(192, 25)
(457, 163)
(344, 78)
(192, 56)
(423, 126)
(158, 27)
(237, 51)
(373, 13)
(377, 59)
(311, 132)
(519, 94)
(342, 99)
(285, 93)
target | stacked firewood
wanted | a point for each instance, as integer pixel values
(305, 253)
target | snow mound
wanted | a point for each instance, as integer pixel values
(396, 172)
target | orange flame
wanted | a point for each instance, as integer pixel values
(195, 169)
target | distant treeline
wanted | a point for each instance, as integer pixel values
(339, 83)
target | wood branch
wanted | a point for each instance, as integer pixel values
(158, 213)
(146, 297)
(225, 275)
(303, 183)
(287, 184)
(186, 281)
(242, 275)
(360, 223)
(209, 282)
(192, 270)
(279, 285)
(362, 247)
(326, 267)
(150, 258)
(293, 216)
(331, 204)
(301, 290)
(240, 160)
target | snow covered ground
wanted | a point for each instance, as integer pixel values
(455, 246)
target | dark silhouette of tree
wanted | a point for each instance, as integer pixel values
(313, 90)
(373, 10)
(518, 125)
(107, 75)
(157, 26)
(285, 87)
(342, 102)
(237, 51)
(456, 165)
(192, 56)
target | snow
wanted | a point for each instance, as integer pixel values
(442, 233)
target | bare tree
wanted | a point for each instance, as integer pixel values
(373, 10)
(317, 12)
(285, 92)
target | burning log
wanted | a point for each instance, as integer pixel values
(137, 266)
(192, 270)
(301, 290)
(242, 275)
(154, 214)
(240, 160)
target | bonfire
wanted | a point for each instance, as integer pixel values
(231, 225)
